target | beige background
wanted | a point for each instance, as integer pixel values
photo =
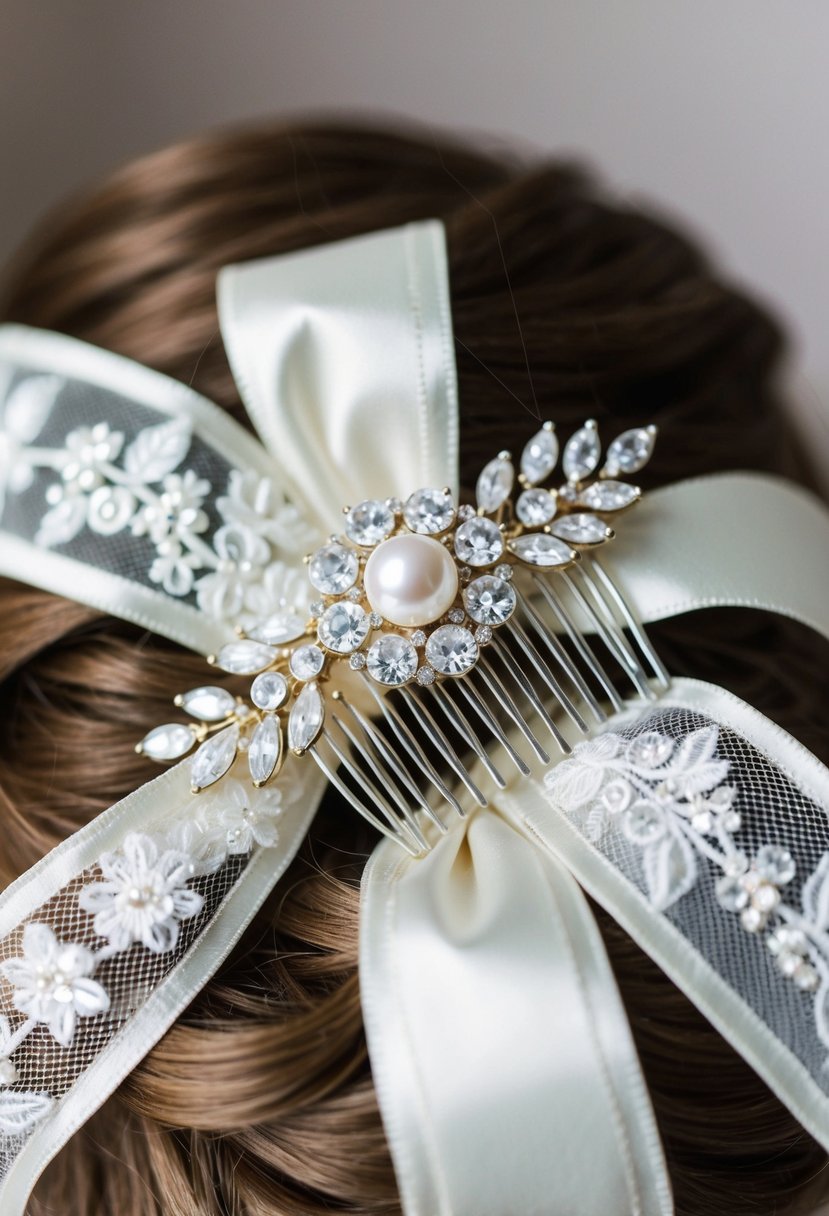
(715, 109)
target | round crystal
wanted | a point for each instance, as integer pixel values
(581, 529)
(306, 662)
(483, 635)
(495, 484)
(357, 662)
(208, 704)
(269, 690)
(429, 511)
(540, 455)
(539, 549)
(452, 650)
(167, 742)
(343, 627)
(391, 660)
(504, 571)
(775, 864)
(333, 568)
(418, 638)
(650, 749)
(478, 542)
(489, 600)
(581, 453)
(369, 522)
(425, 676)
(535, 507)
(631, 451)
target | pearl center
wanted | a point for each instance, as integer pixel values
(411, 580)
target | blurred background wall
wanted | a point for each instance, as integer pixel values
(715, 111)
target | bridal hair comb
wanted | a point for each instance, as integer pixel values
(455, 612)
(476, 680)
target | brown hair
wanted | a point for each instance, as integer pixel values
(565, 304)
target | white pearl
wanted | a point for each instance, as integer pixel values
(411, 580)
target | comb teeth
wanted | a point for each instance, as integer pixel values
(431, 752)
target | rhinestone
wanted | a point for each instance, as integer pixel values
(394, 505)
(539, 549)
(581, 529)
(540, 455)
(354, 594)
(306, 662)
(425, 676)
(787, 940)
(581, 453)
(375, 620)
(806, 977)
(305, 719)
(265, 749)
(343, 627)
(318, 607)
(465, 574)
(208, 704)
(649, 749)
(418, 638)
(279, 629)
(391, 660)
(357, 662)
(643, 824)
(333, 568)
(535, 507)
(245, 658)
(490, 600)
(452, 650)
(495, 484)
(609, 496)
(753, 919)
(465, 512)
(478, 542)
(369, 522)
(269, 690)
(456, 616)
(214, 758)
(429, 511)
(483, 634)
(168, 742)
(775, 864)
(730, 893)
(504, 571)
(631, 451)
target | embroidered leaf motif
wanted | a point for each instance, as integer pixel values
(694, 767)
(156, 451)
(670, 870)
(19, 1112)
(29, 405)
(815, 895)
(62, 522)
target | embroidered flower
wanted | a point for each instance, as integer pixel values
(110, 509)
(242, 559)
(173, 568)
(144, 895)
(281, 588)
(247, 816)
(177, 511)
(52, 982)
(87, 449)
(254, 503)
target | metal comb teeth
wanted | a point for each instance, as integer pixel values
(448, 647)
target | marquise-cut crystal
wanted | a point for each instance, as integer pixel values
(535, 507)
(344, 627)
(269, 690)
(540, 455)
(391, 660)
(478, 542)
(214, 758)
(489, 600)
(208, 704)
(279, 629)
(495, 484)
(429, 511)
(452, 650)
(168, 742)
(581, 529)
(369, 522)
(305, 719)
(581, 453)
(539, 549)
(265, 749)
(306, 662)
(333, 568)
(631, 451)
(609, 495)
(246, 657)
